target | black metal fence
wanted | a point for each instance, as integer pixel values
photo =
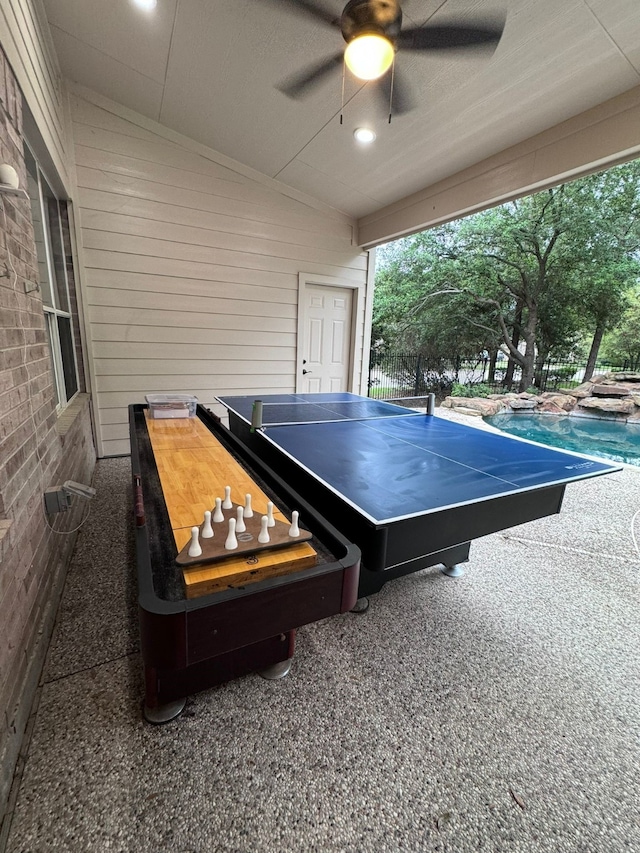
(394, 375)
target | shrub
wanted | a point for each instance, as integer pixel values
(556, 374)
(478, 390)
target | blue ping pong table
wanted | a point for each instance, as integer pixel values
(411, 490)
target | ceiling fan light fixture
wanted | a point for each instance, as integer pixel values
(146, 5)
(364, 135)
(368, 56)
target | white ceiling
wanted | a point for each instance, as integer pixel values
(208, 69)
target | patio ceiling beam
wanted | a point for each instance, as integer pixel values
(589, 142)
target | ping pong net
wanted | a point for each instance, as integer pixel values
(305, 412)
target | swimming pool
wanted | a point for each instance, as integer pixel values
(595, 437)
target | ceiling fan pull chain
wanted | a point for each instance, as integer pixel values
(393, 74)
(342, 99)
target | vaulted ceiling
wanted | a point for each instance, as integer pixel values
(210, 70)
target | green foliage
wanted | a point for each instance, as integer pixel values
(560, 373)
(477, 390)
(535, 276)
(416, 308)
(623, 344)
(569, 384)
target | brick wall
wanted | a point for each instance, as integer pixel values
(37, 449)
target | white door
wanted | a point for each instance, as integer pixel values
(325, 347)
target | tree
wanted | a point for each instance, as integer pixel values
(531, 275)
(418, 301)
(623, 345)
(515, 266)
(607, 242)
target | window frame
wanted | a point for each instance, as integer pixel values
(52, 312)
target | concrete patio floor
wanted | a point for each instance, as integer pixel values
(499, 711)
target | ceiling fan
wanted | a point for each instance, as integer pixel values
(373, 32)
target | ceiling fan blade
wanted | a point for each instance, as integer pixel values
(300, 84)
(450, 36)
(309, 8)
(401, 102)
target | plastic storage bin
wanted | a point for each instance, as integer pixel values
(172, 405)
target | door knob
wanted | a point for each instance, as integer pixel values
(304, 372)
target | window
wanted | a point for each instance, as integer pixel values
(54, 254)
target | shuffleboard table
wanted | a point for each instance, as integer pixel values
(207, 620)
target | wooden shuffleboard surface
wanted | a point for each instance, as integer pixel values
(194, 469)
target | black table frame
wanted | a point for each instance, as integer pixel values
(191, 645)
(397, 548)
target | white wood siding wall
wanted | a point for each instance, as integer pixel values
(190, 267)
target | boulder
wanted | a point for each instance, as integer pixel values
(530, 404)
(610, 395)
(566, 402)
(551, 407)
(623, 377)
(608, 404)
(583, 390)
(610, 390)
(474, 405)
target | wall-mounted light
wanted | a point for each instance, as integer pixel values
(9, 176)
(10, 185)
(368, 56)
(10, 182)
(364, 135)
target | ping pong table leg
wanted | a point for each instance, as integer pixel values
(372, 582)
(458, 555)
(455, 571)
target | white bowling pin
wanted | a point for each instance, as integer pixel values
(240, 525)
(263, 536)
(248, 511)
(207, 529)
(270, 519)
(218, 515)
(226, 503)
(294, 530)
(232, 543)
(194, 548)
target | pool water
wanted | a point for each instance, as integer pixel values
(595, 437)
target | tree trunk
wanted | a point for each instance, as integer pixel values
(491, 378)
(593, 352)
(515, 340)
(529, 335)
(528, 371)
(540, 378)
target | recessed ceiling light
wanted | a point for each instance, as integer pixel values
(147, 5)
(364, 134)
